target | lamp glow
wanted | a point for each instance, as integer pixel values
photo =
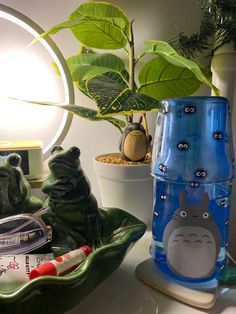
(24, 74)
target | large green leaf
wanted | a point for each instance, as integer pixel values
(98, 25)
(104, 26)
(57, 28)
(88, 65)
(166, 51)
(114, 97)
(82, 112)
(96, 61)
(86, 72)
(161, 79)
(84, 66)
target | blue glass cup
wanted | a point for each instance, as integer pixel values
(193, 167)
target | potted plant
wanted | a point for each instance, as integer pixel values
(217, 33)
(111, 83)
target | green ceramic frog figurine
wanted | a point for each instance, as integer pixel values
(73, 210)
(15, 191)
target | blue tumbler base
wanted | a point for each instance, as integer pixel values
(190, 230)
(160, 261)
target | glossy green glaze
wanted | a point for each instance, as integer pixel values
(76, 220)
(15, 191)
(47, 294)
(228, 275)
(73, 210)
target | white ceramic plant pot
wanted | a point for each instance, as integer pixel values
(128, 187)
(223, 68)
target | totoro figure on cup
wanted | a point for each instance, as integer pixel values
(192, 239)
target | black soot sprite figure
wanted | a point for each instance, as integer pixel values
(183, 146)
(162, 168)
(192, 239)
(200, 173)
(217, 136)
(163, 197)
(222, 202)
(194, 184)
(190, 109)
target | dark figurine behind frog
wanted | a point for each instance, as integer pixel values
(134, 144)
(15, 191)
(74, 214)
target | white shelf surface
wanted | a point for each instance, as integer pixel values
(124, 293)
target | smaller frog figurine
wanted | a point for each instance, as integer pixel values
(134, 143)
(73, 211)
(15, 191)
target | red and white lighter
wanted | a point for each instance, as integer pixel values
(62, 264)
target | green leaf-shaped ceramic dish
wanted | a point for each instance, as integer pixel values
(49, 294)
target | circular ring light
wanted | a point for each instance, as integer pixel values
(26, 23)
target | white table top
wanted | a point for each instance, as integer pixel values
(123, 293)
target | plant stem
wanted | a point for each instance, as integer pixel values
(132, 63)
(131, 58)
